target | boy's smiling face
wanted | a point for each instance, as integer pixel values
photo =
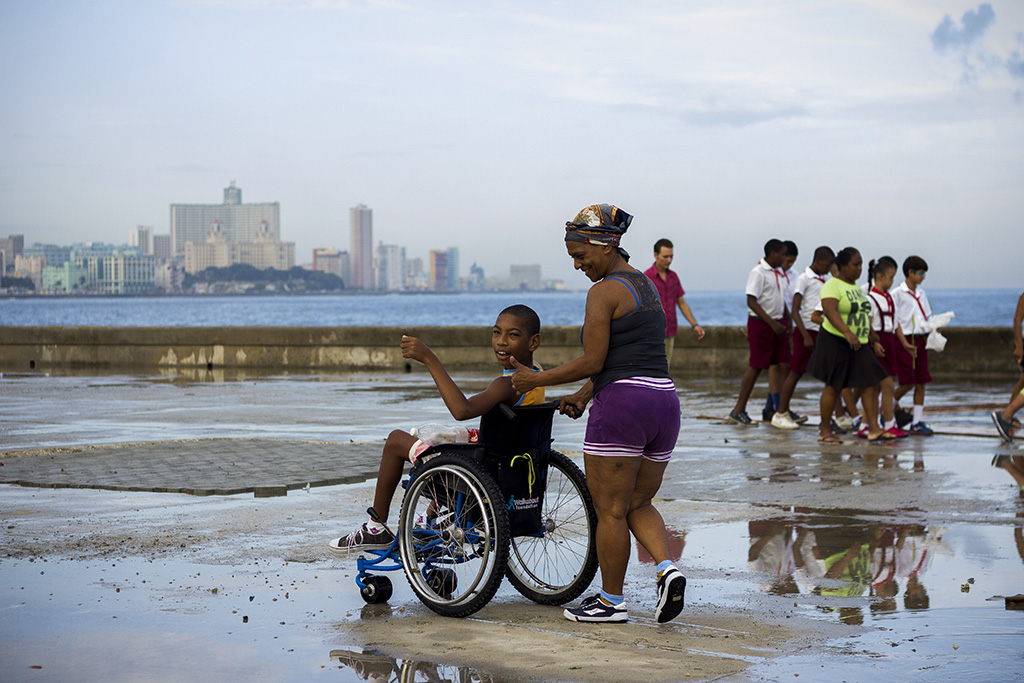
(509, 337)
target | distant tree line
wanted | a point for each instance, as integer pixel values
(295, 279)
(17, 283)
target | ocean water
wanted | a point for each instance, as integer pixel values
(973, 308)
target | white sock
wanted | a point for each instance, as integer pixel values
(889, 424)
(918, 413)
(373, 527)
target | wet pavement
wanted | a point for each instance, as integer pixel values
(132, 528)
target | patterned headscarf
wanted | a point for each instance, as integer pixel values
(599, 224)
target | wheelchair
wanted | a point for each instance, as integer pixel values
(507, 506)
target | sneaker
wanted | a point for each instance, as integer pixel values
(903, 417)
(896, 432)
(920, 429)
(845, 423)
(671, 587)
(740, 418)
(1003, 426)
(857, 421)
(596, 609)
(363, 538)
(796, 417)
(784, 421)
(767, 414)
(836, 429)
(862, 433)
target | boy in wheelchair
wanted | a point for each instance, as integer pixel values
(516, 334)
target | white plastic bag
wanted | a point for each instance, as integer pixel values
(936, 322)
(936, 342)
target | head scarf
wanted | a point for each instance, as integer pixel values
(599, 224)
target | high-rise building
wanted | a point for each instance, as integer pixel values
(218, 252)
(525, 278)
(238, 222)
(162, 247)
(453, 269)
(333, 262)
(361, 244)
(439, 270)
(142, 237)
(10, 249)
(390, 267)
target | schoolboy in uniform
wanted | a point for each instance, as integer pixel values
(516, 334)
(766, 329)
(912, 312)
(806, 298)
(778, 372)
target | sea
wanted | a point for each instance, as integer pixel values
(972, 308)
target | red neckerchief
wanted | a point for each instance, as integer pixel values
(775, 272)
(892, 309)
(918, 300)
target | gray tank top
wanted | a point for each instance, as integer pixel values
(636, 347)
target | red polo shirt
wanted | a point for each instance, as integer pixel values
(669, 290)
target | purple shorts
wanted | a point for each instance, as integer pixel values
(634, 417)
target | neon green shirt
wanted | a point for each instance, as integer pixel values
(854, 308)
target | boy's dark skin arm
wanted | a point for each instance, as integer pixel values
(798, 301)
(498, 391)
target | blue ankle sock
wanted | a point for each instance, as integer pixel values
(611, 599)
(776, 399)
(768, 402)
(662, 566)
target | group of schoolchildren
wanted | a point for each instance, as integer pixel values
(875, 351)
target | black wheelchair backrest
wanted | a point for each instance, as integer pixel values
(506, 431)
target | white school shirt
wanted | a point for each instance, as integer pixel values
(912, 309)
(789, 287)
(765, 284)
(808, 284)
(883, 311)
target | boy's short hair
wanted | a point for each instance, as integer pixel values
(773, 245)
(526, 315)
(822, 253)
(914, 263)
(791, 249)
(663, 242)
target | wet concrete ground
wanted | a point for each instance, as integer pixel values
(850, 562)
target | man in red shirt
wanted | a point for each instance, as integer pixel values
(671, 292)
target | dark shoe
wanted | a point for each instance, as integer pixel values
(903, 417)
(363, 538)
(920, 429)
(767, 414)
(671, 587)
(596, 609)
(1004, 427)
(740, 418)
(796, 417)
(836, 429)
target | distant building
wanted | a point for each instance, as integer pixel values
(453, 269)
(476, 280)
(54, 254)
(390, 267)
(124, 273)
(334, 262)
(526, 278)
(142, 237)
(10, 249)
(30, 267)
(67, 277)
(162, 247)
(361, 245)
(416, 276)
(238, 222)
(218, 252)
(439, 271)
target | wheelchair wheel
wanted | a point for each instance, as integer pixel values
(452, 539)
(376, 589)
(558, 565)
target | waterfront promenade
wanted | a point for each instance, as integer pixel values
(118, 562)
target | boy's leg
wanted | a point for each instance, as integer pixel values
(826, 405)
(888, 387)
(870, 403)
(788, 387)
(389, 475)
(746, 388)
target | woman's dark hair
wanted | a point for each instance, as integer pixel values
(844, 256)
(914, 263)
(882, 265)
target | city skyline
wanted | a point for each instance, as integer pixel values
(897, 127)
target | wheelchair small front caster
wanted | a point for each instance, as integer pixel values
(376, 589)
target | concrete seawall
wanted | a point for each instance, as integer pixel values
(971, 351)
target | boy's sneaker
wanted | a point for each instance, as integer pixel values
(767, 414)
(836, 428)
(363, 538)
(920, 429)
(671, 586)
(1003, 426)
(596, 609)
(903, 417)
(796, 417)
(784, 421)
(896, 432)
(845, 423)
(740, 418)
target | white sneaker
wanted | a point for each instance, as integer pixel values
(784, 421)
(845, 422)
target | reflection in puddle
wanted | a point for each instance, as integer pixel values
(373, 666)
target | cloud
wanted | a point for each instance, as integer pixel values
(949, 36)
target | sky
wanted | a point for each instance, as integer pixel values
(895, 126)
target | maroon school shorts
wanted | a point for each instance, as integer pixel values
(909, 370)
(766, 347)
(801, 354)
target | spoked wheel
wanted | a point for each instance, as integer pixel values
(558, 565)
(453, 536)
(376, 589)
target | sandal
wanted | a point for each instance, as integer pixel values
(831, 438)
(884, 436)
